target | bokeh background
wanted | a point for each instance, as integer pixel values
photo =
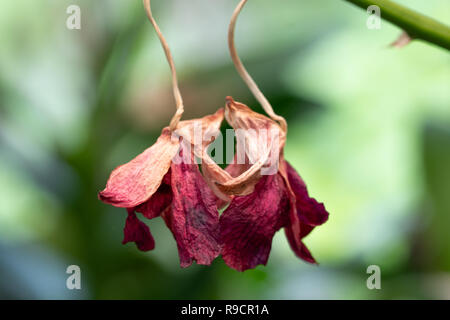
(369, 133)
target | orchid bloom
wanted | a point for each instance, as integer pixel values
(278, 200)
(260, 191)
(156, 185)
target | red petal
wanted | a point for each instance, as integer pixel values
(193, 218)
(296, 230)
(136, 181)
(309, 210)
(138, 232)
(300, 250)
(249, 223)
(159, 201)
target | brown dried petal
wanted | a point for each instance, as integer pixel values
(196, 130)
(261, 148)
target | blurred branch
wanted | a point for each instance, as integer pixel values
(415, 24)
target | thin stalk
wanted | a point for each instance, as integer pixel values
(176, 91)
(416, 25)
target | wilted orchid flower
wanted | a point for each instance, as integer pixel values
(260, 191)
(156, 185)
(261, 204)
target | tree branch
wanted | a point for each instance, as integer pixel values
(415, 24)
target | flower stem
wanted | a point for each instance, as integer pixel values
(415, 24)
(176, 91)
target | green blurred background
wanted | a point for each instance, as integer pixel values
(369, 131)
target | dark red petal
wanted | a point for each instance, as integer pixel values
(296, 230)
(159, 201)
(249, 223)
(305, 230)
(300, 250)
(138, 232)
(193, 217)
(309, 210)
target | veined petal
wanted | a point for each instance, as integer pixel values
(309, 210)
(136, 181)
(138, 232)
(249, 223)
(193, 217)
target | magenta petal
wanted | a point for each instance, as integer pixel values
(193, 217)
(159, 201)
(309, 210)
(249, 223)
(138, 232)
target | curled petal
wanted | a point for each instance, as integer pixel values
(138, 232)
(295, 230)
(224, 185)
(136, 181)
(309, 210)
(260, 140)
(249, 223)
(241, 116)
(257, 136)
(234, 169)
(200, 132)
(193, 217)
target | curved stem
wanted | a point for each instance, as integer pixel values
(415, 24)
(244, 73)
(176, 91)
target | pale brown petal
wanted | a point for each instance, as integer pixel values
(262, 140)
(198, 132)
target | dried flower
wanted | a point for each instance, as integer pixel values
(268, 202)
(261, 191)
(154, 185)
